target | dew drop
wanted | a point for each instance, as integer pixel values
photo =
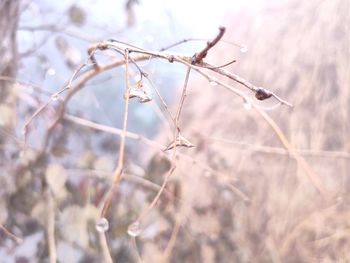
(213, 83)
(55, 97)
(102, 225)
(51, 72)
(243, 49)
(134, 229)
(247, 105)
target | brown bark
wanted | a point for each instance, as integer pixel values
(8, 58)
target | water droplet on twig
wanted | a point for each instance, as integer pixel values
(51, 72)
(243, 49)
(55, 97)
(134, 229)
(213, 83)
(247, 105)
(102, 225)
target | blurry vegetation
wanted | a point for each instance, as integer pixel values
(238, 196)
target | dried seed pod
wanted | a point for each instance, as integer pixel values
(180, 141)
(139, 93)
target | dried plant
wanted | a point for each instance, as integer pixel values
(212, 189)
(131, 56)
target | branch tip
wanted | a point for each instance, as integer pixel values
(198, 57)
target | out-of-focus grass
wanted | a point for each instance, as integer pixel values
(301, 51)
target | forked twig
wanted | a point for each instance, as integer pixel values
(143, 55)
(198, 58)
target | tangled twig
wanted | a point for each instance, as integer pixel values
(132, 55)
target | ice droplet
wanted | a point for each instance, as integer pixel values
(243, 49)
(55, 97)
(247, 105)
(134, 229)
(51, 72)
(213, 83)
(102, 225)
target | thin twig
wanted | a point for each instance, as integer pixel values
(171, 243)
(198, 58)
(281, 151)
(315, 180)
(59, 29)
(224, 65)
(161, 99)
(78, 86)
(28, 122)
(75, 73)
(244, 82)
(18, 240)
(144, 55)
(173, 160)
(135, 249)
(51, 228)
(104, 246)
(182, 100)
(190, 62)
(146, 141)
(199, 39)
(145, 212)
(53, 97)
(119, 170)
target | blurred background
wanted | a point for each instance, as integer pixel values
(238, 196)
